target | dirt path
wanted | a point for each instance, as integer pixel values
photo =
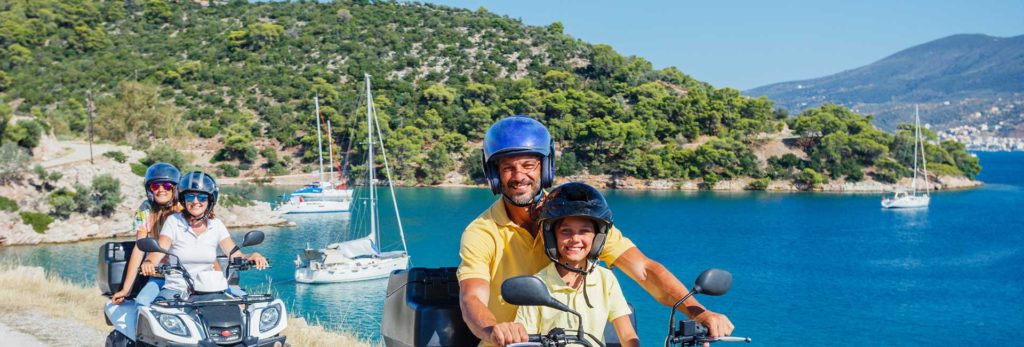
(75, 151)
(35, 328)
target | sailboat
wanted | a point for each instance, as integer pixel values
(359, 259)
(903, 198)
(319, 196)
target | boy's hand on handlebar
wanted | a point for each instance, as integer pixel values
(505, 333)
(148, 268)
(261, 262)
(718, 324)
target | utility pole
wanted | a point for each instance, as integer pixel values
(90, 110)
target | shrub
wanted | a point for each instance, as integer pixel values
(759, 184)
(13, 162)
(139, 169)
(228, 170)
(63, 202)
(229, 200)
(811, 178)
(39, 221)
(8, 204)
(83, 198)
(166, 154)
(118, 156)
(107, 192)
(710, 180)
(46, 179)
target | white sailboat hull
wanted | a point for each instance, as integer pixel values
(357, 270)
(294, 206)
(327, 194)
(908, 201)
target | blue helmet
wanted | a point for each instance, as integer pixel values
(517, 135)
(160, 172)
(198, 181)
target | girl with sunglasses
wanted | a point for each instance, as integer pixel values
(161, 197)
(194, 234)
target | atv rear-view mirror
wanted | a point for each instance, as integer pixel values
(713, 282)
(252, 238)
(529, 291)
(149, 245)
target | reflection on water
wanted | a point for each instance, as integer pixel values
(353, 306)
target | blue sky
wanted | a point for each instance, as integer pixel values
(746, 44)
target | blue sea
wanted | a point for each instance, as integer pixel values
(809, 268)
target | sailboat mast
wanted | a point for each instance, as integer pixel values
(369, 163)
(917, 128)
(319, 141)
(330, 151)
(924, 154)
(391, 186)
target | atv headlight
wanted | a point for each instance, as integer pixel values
(173, 324)
(269, 318)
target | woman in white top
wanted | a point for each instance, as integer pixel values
(194, 235)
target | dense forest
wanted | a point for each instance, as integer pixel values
(245, 75)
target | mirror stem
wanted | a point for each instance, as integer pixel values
(672, 315)
(579, 331)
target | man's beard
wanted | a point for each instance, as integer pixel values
(524, 198)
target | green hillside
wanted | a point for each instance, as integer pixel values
(243, 75)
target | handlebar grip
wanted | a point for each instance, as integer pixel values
(732, 339)
(536, 337)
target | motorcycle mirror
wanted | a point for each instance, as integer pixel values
(713, 282)
(252, 238)
(149, 245)
(529, 291)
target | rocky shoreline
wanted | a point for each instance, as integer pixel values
(79, 226)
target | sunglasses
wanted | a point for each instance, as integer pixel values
(156, 186)
(200, 197)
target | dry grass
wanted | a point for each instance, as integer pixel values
(24, 288)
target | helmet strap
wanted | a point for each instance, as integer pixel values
(591, 265)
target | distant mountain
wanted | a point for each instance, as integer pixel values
(967, 79)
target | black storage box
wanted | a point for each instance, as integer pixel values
(422, 308)
(111, 269)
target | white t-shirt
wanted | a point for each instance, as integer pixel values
(196, 252)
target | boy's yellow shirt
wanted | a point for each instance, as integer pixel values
(605, 295)
(495, 249)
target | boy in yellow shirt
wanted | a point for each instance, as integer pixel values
(575, 220)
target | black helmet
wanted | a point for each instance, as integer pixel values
(575, 199)
(517, 135)
(198, 181)
(160, 172)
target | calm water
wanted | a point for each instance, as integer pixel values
(809, 269)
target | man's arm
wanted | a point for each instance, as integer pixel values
(667, 289)
(473, 296)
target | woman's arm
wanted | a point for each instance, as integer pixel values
(227, 244)
(149, 265)
(624, 329)
(133, 268)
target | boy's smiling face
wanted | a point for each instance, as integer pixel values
(575, 237)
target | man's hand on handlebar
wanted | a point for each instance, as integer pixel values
(505, 333)
(718, 324)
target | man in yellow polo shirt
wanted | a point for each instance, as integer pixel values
(503, 241)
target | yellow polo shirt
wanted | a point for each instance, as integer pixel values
(495, 249)
(602, 289)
